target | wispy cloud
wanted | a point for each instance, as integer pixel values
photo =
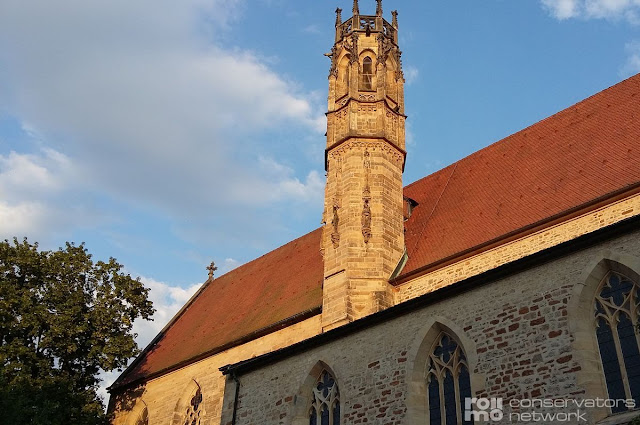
(594, 9)
(632, 65)
(411, 74)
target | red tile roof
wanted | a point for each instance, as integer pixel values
(581, 154)
(575, 156)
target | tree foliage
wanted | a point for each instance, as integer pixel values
(63, 318)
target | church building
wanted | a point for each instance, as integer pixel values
(504, 288)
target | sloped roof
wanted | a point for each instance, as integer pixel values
(567, 161)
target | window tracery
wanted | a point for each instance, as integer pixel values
(325, 405)
(448, 382)
(194, 411)
(616, 318)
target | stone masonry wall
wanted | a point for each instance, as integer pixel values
(518, 342)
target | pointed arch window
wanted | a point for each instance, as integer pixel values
(143, 419)
(366, 82)
(194, 410)
(448, 382)
(325, 405)
(616, 316)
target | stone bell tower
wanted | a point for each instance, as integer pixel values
(363, 237)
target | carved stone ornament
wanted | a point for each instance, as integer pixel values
(335, 235)
(399, 72)
(366, 198)
(384, 48)
(333, 55)
(366, 220)
(352, 48)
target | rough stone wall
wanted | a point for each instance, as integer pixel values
(517, 327)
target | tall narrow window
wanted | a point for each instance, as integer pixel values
(616, 316)
(367, 74)
(448, 382)
(194, 414)
(325, 406)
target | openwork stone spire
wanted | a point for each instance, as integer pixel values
(338, 16)
(394, 22)
(379, 8)
(356, 8)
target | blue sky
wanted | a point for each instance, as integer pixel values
(169, 134)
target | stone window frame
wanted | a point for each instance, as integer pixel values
(581, 320)
(188, 393)
(136, 414)
(418, 355)
(304, 396)
(368, 53)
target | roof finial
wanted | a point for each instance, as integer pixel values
(379, 8)
(338, 16)
(356, 9)
(395, 19)
(212, 268)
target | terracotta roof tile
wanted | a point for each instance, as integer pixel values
(580, 154)
(274, 287)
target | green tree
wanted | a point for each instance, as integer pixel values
(63, 318)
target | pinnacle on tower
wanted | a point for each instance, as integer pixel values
(394, 22)
(356, 9)
(338, 16)
(379, 8)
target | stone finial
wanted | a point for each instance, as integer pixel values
(356, 8)
(338, 16)
(379, 8)
(394, 22)
(212, 268)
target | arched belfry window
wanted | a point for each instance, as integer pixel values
(367, 74)
(325, 405)
(448, 382)
(616, 314)
(194, 412)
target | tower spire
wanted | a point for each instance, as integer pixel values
(394, 22)
(338, 16)
(363, 234)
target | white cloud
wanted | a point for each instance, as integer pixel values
(142, 96)
(594, 9)
(632, 65)
(410, 74)
(167, 300)
(32, 187)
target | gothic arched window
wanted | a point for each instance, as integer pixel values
(367, 74)
(325, 405)
(143, 419)
(616, 314)
(194, 413)
(448, 382)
